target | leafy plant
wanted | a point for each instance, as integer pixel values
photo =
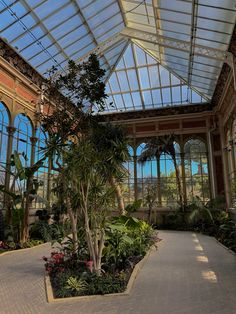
(20, 195)
(135, 206)
(77, 285)
(200, 213)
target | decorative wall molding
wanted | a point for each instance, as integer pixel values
(11, 56)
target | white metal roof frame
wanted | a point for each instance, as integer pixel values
(188, 37)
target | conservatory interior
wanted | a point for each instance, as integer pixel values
(160, 73)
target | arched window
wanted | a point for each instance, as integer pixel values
(43, 172)
(196, 170)
(4, 122)
(128, 186)
(146, 174)
(21, 138)
(168, 185)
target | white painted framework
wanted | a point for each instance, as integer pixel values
(188, 37)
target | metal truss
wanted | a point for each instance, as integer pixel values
(166, 42)
(163, 41)
(181, 45)
(177, 44)
(102, 47)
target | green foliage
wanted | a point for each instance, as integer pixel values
(32, 243)
(55, 232)
(135, 206)
(225, 229)
(106, 284)
(42, 214)
(127, 240)
(174, 220)
(76, 285)
(199, 212)
(22, 192)
(85, 283)
(126, 237)
(41, 230)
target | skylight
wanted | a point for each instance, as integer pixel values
(139, 82)
(189, 38)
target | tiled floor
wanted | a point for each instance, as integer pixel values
(189, 274)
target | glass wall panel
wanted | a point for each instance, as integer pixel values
(22, 143)
(43, 172)
(196, 170)
(169, 189)
(146, 174)
(128, 186)
(4, 122)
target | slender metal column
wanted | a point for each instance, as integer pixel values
(211, 164)
(10, 130)
(183, 178)
(33, 141)
(135, 177)
(225, 165)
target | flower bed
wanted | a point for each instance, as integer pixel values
(73, 275)
(12, 246)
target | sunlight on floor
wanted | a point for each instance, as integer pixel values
(198, 247)
(202, 258)
(209, 275)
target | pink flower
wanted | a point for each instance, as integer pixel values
(89, 265)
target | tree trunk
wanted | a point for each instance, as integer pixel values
(149, 214)
(158, 181)
(26, 206)
(73, 221)
(119, 197)
(100, 249)
(178, 183)
(1, 225)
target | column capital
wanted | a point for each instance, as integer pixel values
(33, 140)
(11, 130)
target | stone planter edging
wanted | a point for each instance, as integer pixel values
(137, 268)
(23, 250)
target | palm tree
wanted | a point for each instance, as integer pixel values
(162, 145)
(112, 146)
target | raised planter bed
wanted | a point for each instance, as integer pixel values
(135, 271)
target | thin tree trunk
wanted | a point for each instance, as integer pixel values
(1, 225)
(100, 249)
(27, 203)
(150, 214)
(120, 201)
(158, 181)
(178, 183)
(73, 220)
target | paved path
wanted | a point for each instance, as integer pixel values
(189, 274)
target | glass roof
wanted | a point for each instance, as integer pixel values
(47, 33)
(205, 22)
(139, 82)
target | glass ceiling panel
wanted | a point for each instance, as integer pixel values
(211, 26)
(46, 35)
(140, 82)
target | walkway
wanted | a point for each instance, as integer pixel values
(189, 274)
